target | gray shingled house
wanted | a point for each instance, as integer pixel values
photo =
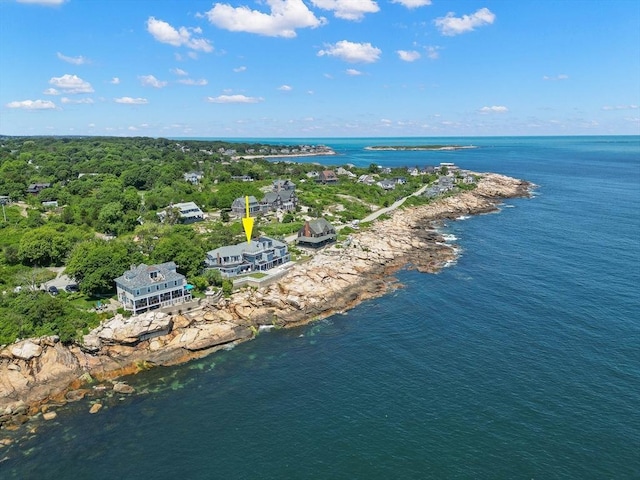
(316, 233)
(260, 255)
(146, 287)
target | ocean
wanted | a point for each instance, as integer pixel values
(521, 360)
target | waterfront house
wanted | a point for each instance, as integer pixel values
(147, 287)
(282, 200)
(259, 255)
(316, 233)
(387, 184)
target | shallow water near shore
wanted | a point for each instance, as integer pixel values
(521, 360)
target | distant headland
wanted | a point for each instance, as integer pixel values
(419, 147)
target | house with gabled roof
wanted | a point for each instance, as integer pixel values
(259, 255)
(327, 177)
(147, 287)
(188, 212)
(316, 233)
(239, 206)
(283, 200)
(36, 188)
(280, 185)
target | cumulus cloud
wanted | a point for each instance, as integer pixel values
(285, 88)
(234, 99)
(190, 81)
(408, 55)
(353, 72)
(179, 72)
(32, 105)
(348, 9)
(131, 101)
(71, 84)
(562, 76)
(451, 25)
(413, 3)
(352, 52)
(46, 3)
(151, 81)
(115, 81)
(51, 91)
(284, 18)
(80, 60)
(67, 100)
(494, 109)
(181, 37)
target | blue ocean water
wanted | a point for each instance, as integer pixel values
(522, 360)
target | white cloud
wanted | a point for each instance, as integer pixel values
(179, 72)
(353, 72)
(67, 100)
(408, 55)
(562, 76)
(234, 99)
(413, 3)
(73, 60)
(46, 3)
(32, 105)
(240, 69)
(71, 84)
(131, 101)
(190, 81)
(115, 81)
(450, 25)
(352, 52)
(151, 81)
(284, 18)
(165, 33)
(494, 109)
(620, 107)
(433, 52)
(285, 88)
(51, 91)
(348, 9)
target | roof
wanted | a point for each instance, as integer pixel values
(255, 246)
(138, 276)
(319, 225)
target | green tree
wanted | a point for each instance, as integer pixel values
(43, 246)
(96, 263)
(185, 251)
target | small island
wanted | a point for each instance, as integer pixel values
(419, 147)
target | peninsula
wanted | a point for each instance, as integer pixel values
(419, 147)
(38, 375)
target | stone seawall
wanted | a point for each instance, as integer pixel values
(37, 374)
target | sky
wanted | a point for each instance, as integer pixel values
(319, 68)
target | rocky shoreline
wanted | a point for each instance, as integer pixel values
(39, 375)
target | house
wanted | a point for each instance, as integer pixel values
(50, 204)
(279, 185)
(36, 188)
(366, 179)
(344, 171)
(188, 212)
(193, 178)
(400, 180)
(259, 255)
(5, 200)
(146, 287)
(387, 184)
(327, 177)
(242, 178)
(239, 207)
(313, 174)
(316, 233)
(283, 200)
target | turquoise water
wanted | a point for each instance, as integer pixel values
(522, 360)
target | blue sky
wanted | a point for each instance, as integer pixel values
(319, 68)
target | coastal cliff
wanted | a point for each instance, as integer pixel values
(38, 374)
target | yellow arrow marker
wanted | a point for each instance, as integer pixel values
(247, 222)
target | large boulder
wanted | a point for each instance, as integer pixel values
(132, 330)
(26, 350)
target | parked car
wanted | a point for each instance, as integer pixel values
(72, 287)
(53, 290)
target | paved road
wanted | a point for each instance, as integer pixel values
(375, 214)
